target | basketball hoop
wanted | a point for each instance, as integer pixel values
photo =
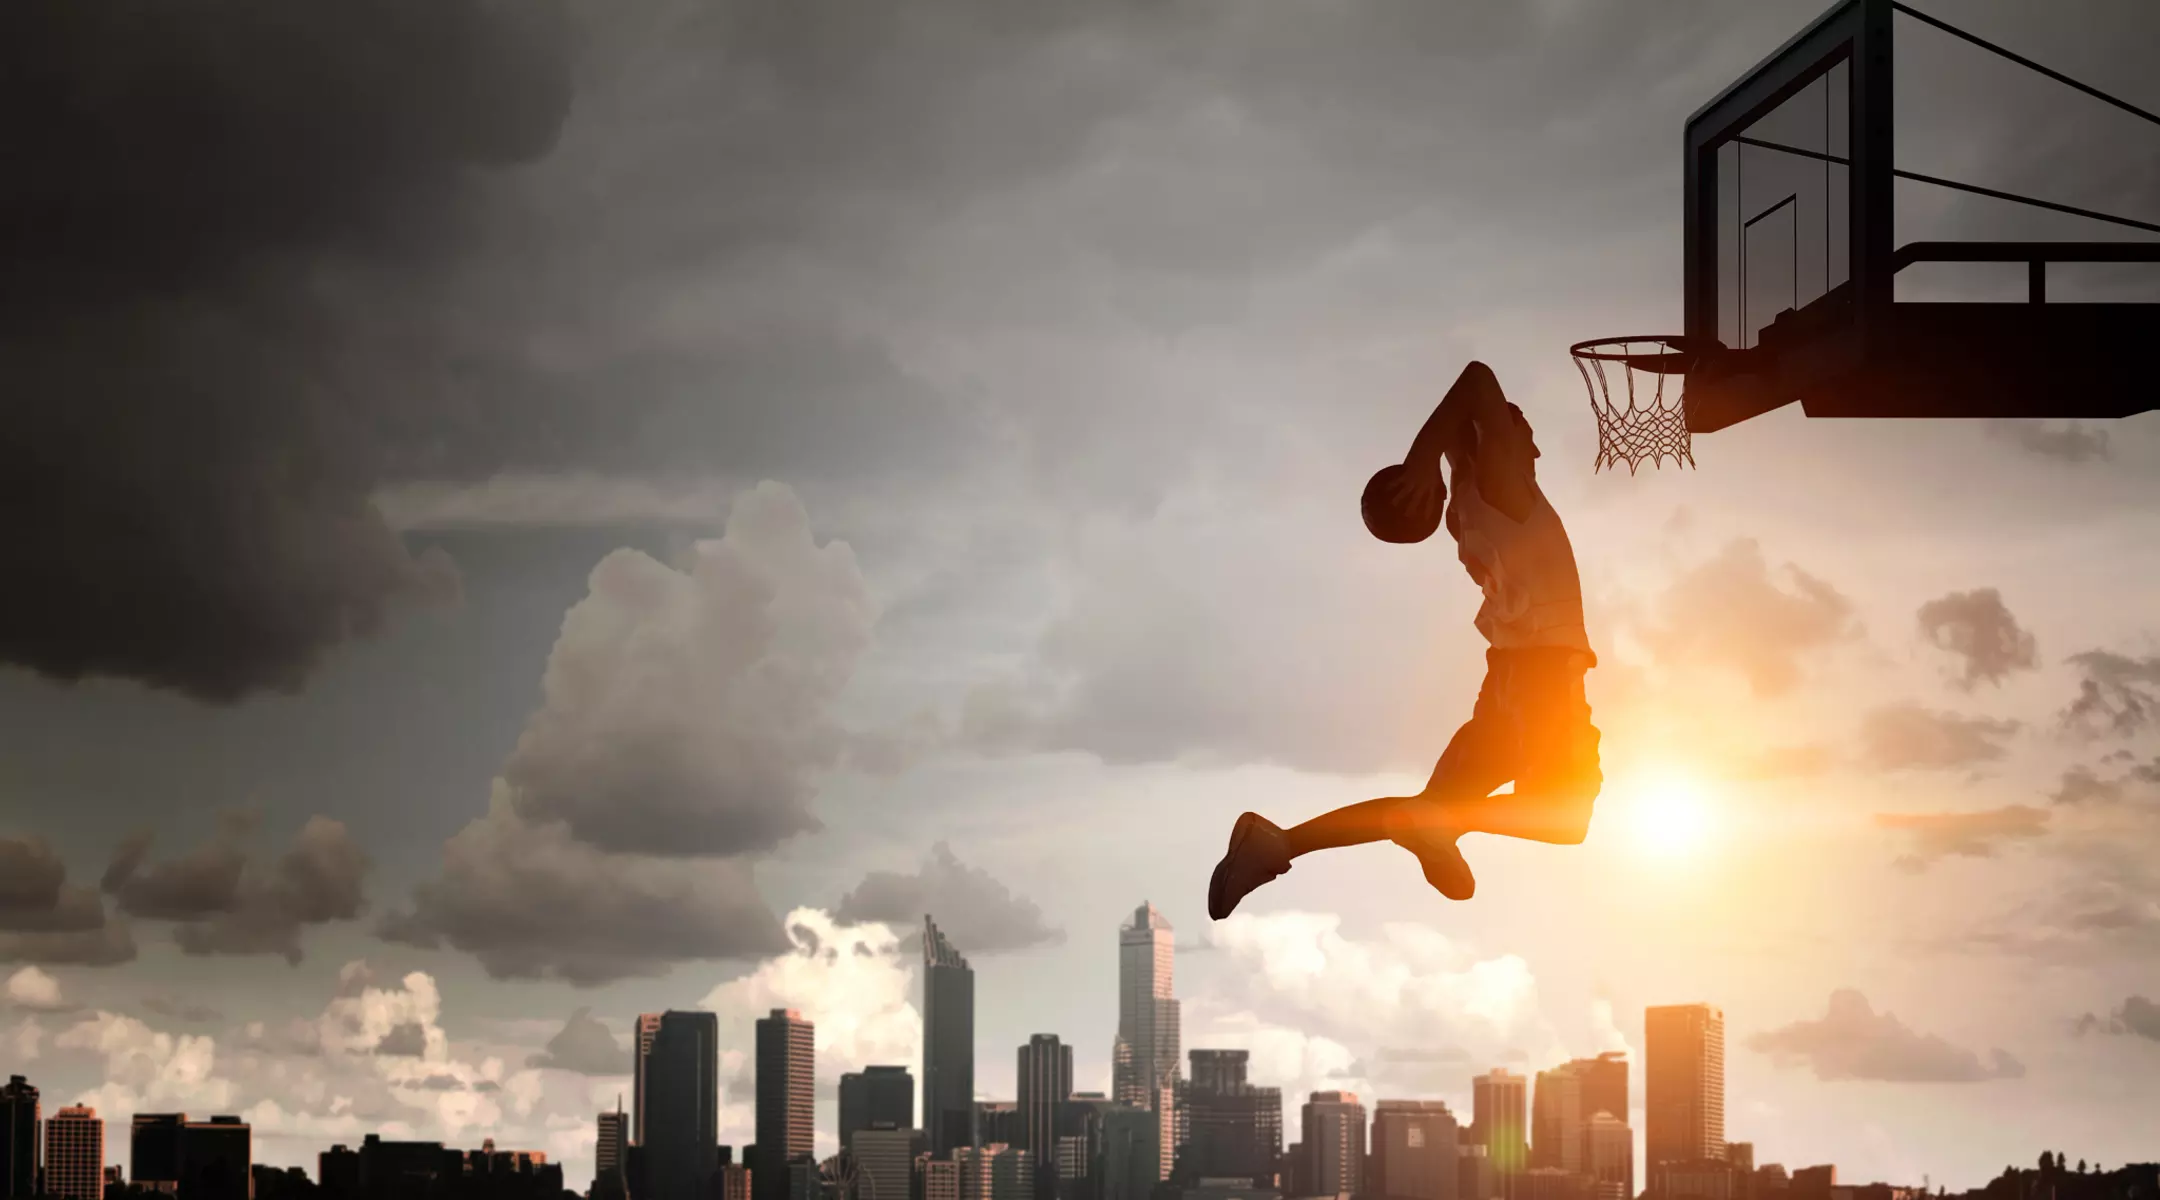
(1637, 422)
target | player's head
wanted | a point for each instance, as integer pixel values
(1389, 518)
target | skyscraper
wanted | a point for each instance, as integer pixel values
(786, 1074)
(154, 1150)
(995, 1171)
(1683, 1084)
(1496, 1108)
(1144, 1062)
(18, 1139)
(1556, 1119)
(1045, 1078)
(75, 1154)
(215, 1157)
(875, 1096)
(1226, 1127)
(1604, 1087)
(610, 1148)
(1334, 1142)
(1413, 1150)
(680, 1110)
(948, 1044)
(648, 1028)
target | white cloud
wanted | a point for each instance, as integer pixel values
(851, 981)
(34, 990)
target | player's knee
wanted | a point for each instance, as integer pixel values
(1569, 807)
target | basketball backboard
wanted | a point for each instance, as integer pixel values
(1793, 254)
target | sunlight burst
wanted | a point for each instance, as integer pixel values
(1669, 814)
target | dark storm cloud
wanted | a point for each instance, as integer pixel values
(1981, 631)
(1906, 736)
(193, 444)
(2080, 785)
(1733, 611)
(982, 914)
(2138, 1017)
(585, 1046)
(1936, 836)
(228, 903)
(1854, 1042)
(2118, 695)
(532, 902)
(46, 919)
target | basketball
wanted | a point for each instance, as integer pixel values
(1385, 516)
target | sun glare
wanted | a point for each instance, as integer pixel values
(1669, 814)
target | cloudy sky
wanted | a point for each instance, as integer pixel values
(524, 513)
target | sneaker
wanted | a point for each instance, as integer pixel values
(1257, 854)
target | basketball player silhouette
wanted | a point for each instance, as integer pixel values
(1531, 724)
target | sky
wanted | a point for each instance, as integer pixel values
(526, 513)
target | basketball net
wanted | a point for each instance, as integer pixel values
(1641, 417)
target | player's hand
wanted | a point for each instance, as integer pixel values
(1418, 490)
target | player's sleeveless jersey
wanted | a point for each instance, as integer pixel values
(1533, 595)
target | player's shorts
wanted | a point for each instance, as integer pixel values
(1531, 727)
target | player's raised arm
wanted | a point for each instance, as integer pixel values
(1475, 397)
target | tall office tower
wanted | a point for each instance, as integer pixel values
(1683, 1084)
(681, 1108)
(1144, 1062)
(1556, 1119)
(734, 1181)
(1604, 1084)
(648, 1028)
(1496, 1108)
(1080, 1145)
(875, 1096)
(154, 1150)
(1610, 1157)
(610, 1147)
(1045, 1071)
(1226, 1127)
(997, 1122)
(75, 1154)
(885, 1157)
(18, 1139)
(1413, 1150)
(948, 1015)
(786, 1079)
(215, 1156)
(1132, 1151)
(1334, 1141)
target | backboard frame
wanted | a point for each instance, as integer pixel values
(1853, 32)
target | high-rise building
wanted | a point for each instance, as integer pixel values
(734, 1181)
(1132, 1151)
(75, 1154)
(1045, 1071)
(611, 1146)
(1144, 1060)
(680, 1109)
(1080, 1145)
(1604, 1085)
(1226, 1127)
(1413, 1150)
(885, 1157)
(648, 1028)
(1610, 1156)
(948, 1044)
(154, 1150)
(1556, 1119)
(1683, 1084)
(875, 1096)
(215, 1156)
(1496, 1113)
(1334, 1143)
(995, 1171)
(786, 1075)
(18, 1139)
